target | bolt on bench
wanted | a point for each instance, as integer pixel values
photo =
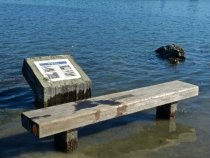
(57, 120)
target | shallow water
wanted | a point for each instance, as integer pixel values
(114, 42)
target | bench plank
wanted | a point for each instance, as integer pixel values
(56, 119)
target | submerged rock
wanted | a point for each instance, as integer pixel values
(173, 53)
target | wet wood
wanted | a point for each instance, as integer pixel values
(70, 116)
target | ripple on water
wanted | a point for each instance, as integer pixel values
(17, 97)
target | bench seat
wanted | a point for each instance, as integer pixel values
(56, 119)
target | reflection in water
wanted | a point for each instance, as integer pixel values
(163, 134)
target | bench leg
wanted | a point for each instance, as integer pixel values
(167, 111)
(172, 125)
(66, 141)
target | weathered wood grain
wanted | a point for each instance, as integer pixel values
(69, 116)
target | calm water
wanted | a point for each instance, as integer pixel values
(114, 42)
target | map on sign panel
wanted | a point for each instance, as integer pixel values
(57, 70)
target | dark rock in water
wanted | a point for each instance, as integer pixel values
(173, 53)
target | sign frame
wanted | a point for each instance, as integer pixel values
(57, 69)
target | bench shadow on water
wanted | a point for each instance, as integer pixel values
(101, 140)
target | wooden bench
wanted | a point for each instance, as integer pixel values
(57, 120)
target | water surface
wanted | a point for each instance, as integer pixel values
(114, 42)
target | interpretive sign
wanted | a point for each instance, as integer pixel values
(56, 70)
(56, 80)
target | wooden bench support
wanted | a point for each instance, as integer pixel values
(66, 141)
(167, 111)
